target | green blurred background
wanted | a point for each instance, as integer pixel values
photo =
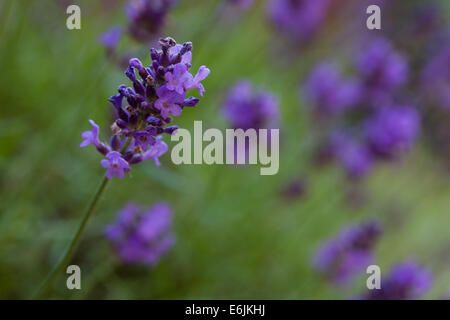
(237, 237)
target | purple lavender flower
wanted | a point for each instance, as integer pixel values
(300, 19)
(142, 236)
(143, 111)
(177, 78)
(392, 130)
(354, 156)
(348, 254)
(111, 38)
(194, 82)
(246, 109)
(436, 78)
(116, 165)
(328, 92)
(169, 102)
(406, 281)
(91, 137)
(382, 69)
(147, 17)
(144, 139)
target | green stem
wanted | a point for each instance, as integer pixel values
(73, 244)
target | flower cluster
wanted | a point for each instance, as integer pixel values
(142, 236)
(300, 19)
(367, 124)
(346, 255)
(145, 111)
(245, 109)
(406, 281)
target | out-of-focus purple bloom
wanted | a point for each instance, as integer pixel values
(300, 19)
(246, 109)
(406, 281)
(111, 38)
(349, 253)
(436, 78)
(428, 18)
(328, 92)
(143, 111)
(142, 236)
(147, 17)
(392, 130)
(354, 156)
(294, 189)
(382, 69)
(116, 165)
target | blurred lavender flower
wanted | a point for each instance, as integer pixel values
(111, 38)
(382, 70)
(348, 254)
(293, 190)
(142, 236)
(436, 78)
(147, 17)
(392, 130)
(354, 156)
(328, 92)
(300, 19)
(406, 281)
(246, 109)
(159, 94)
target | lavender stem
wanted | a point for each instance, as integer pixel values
(74, 243)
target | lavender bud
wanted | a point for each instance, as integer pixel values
(102, 148)
(128, 155)
(115, 142)
(136, 159)
(190, 102)
(154, 121)
(154, 55)
(170, 130)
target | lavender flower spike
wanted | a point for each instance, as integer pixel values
(143, 111)
(142, 236)
(342, 257)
